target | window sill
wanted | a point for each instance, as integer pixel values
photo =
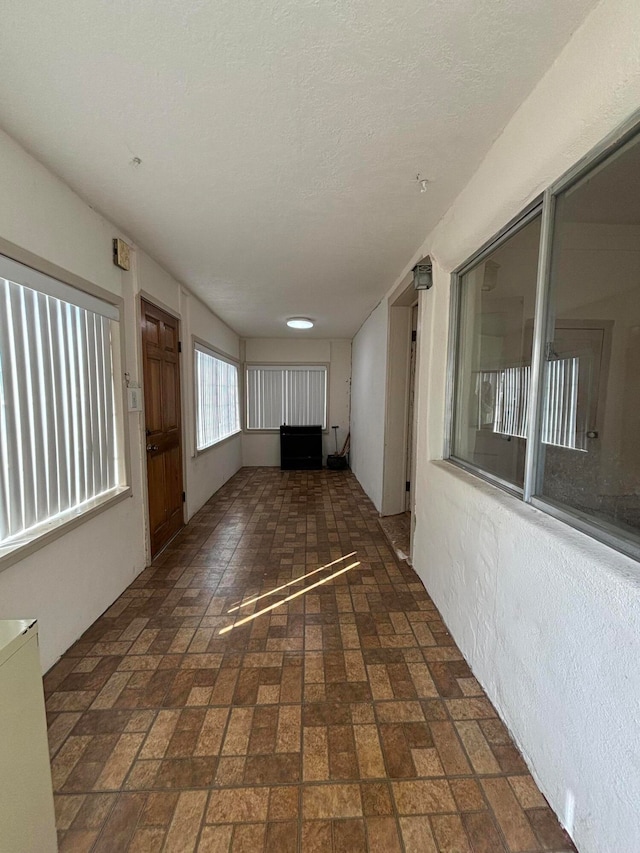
(276, 431)
(217, 443)
(612, 536)
(49, 531)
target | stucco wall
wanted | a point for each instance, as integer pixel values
(70, 582)
(548, 618)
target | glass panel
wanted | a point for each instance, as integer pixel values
(493, 360)
(591, 418)
(217, 404)
(58, 433)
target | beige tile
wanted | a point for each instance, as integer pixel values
(467, 795)
(316, 836)
(185, 826)
(527, 792)
(354, 665)
(427, 762)
(67, 807)
(236, 740)
(478, 750)
(450, 834)
(248, 838)
(513, 821)
(283, 803)
(288, 731)
(315, 754)
(423, 797)
(149, 839)
(67, 758)
(379, 681)
(449, 748)
(235, 805)
(212, 731)
(331, 801)
(369, 752)
(422, 680)
(470, 709)
(115, 770)
(417, 835)
(159, 735)
(400, 712)
(383, 835)
(216, 839)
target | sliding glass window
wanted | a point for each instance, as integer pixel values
(590, 461)
(545, 363)
(493, 360)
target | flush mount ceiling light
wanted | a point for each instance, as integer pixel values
(300, 323)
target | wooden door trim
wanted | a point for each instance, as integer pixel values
(158, 305)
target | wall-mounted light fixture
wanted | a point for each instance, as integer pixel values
(300, 323)
(422, 277)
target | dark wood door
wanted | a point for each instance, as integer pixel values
(161, 362)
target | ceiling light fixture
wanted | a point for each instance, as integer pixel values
(300, 323)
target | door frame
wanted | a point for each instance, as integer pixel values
(395, 473)
(146, 296)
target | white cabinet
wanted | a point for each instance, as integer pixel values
(27, 821)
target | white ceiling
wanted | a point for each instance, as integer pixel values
(280, 139)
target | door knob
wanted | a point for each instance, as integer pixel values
(152, 447)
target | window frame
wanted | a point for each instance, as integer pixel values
(48, 531)
(200, 344)
(609, 534)
(293, 365)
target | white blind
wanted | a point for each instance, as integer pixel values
(57, 416)
(559, 419)
(503, 402)
(217, 404)
(294, 395)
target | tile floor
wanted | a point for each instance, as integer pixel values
(344, 719)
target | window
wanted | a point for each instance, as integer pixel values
(295, 395)
(60, 444)
(493, 364)
(544, 366)
(217, 402)
(594, 323)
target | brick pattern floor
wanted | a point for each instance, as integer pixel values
(344, 719)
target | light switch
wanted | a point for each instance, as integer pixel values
(134, 396)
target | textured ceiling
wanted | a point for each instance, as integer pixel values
(279, 139)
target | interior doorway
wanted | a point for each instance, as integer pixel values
(163, 427)
(411, 395)
(399, 447)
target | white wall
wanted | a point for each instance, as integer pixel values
(548, 618)
(263, 448)
(368, 390)
(70, 582)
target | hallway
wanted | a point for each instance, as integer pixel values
(342, 720)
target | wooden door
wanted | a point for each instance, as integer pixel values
(161, 363)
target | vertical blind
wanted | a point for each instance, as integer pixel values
(294, 395)
(503, 402)
(217, 403)
(58, 437)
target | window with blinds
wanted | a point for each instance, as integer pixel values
(292, 395)
(508, 413)
(217, 400)
(58, 435)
